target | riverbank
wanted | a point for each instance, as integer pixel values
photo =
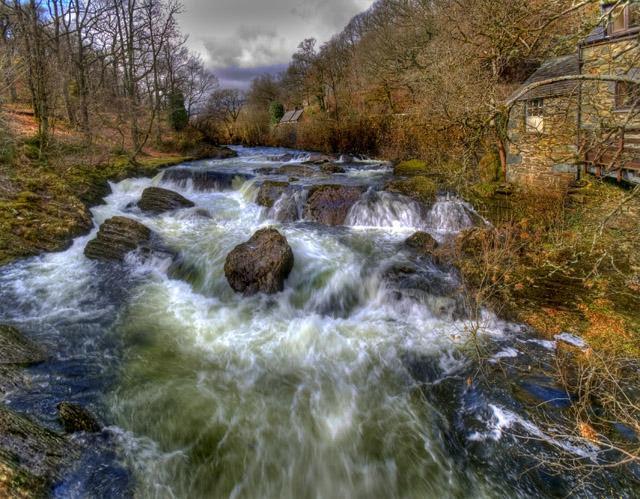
(45, 201)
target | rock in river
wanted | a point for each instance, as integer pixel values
(422, 242)
(270, 191)
(158, 200)
(260, 265)
(330, 204)
(76, 419)
(117, 237)
(32, 458)
(16, 349)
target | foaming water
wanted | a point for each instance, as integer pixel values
(308, 393)
(451, 215)
(386, 210)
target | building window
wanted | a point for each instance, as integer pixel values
(627, 95)
(618, 20)
(623, 17)
(534, 115)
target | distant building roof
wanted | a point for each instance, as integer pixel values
(292, 116)
(553, 68)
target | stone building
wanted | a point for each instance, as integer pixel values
(569, 126)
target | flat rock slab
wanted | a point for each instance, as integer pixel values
(32, 458)
(117, 237)
(330, 204)
(157, 200)
(260, 265)
(17, 349)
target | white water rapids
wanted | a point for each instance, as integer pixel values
(301, 394)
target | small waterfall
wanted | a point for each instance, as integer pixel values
(290, 206)
(450, 215)
(384, 209)
(204, 180)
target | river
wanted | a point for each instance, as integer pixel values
(345, 385)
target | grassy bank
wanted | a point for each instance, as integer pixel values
(45, 198)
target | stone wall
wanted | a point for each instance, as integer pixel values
(616, 58)
(546, 159)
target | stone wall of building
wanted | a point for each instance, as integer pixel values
(546, 159)
(616, 58)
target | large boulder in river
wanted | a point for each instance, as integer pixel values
(117, 237)
(330, 204)
(158, 200)
(260, 265)
(270, 191)
(76, 419)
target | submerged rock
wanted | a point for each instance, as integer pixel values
(16, 349)
(158, 200)
(297, 171)
(281, 158)
(429, 287)
(260, 265)
(32, 458)
(319, 159)
(117, 237)
(422, 242)
(330, 204)
(330, 168)
(270, 191)
(76, 419)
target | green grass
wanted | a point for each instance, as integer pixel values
(410, 168)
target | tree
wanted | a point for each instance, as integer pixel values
(276, 112)
(179, 117)
(223, 109)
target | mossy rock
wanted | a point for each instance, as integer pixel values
(419, 188)
(410, 168)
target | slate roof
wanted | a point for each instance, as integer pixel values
(292, 116)
(553, 68)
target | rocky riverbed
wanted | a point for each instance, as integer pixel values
(280, 324)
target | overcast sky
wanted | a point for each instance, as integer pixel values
(240, 39)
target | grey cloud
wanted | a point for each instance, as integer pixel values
(252, 34)
(236, 77)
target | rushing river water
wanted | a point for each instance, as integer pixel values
(350, 383)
